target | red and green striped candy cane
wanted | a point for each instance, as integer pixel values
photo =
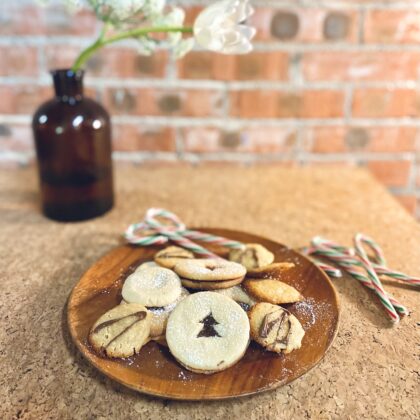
(160, 225)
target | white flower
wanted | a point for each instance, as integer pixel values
(183, 47)
(153, 7)
(116, 10)
(220, 27)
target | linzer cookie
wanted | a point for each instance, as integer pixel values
(172, 255)
(252, 256)
(122, 331)
(152, 286)
(207, 332)
(210, 285)
(272, 291)
(210, 270)
(275, 328)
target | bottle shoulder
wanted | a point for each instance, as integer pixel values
(55, 110)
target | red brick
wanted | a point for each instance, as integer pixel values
(173, 102)
(392, 26)
(338, 163)
(343, 139)
(30, 19)
(110, 62)
(17, 19)
(18, 60)
(409, 202)
(247, 140)
(15, 138)
(366, 65)
(418, 173)
(310, 24)
(132, 138)
(393, 173)
(269, 65)
(379, 103)
(18, 99)
(287, 104)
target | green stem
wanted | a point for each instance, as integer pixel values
(133, 33)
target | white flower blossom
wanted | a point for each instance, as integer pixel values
(153, 8)
(146, 46)
(116, 10)
(220, 27)
(183, 47)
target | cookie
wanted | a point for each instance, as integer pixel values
(271, 271)
(238, 294)
(207, 332)
(147, 264)
(152, 286)
(122, 331)
(161, 339)
(275, 328)
(159, 316)
(210, 285)
(272, 291)
(172, 255)
(252, 256)
(210, 270)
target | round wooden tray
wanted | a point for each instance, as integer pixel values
(154, 371)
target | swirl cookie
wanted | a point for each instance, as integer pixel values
(252, 256)
(210, 270)
(207, 332)
(152, 286)
(272, 291)
(122, 331)
(172, 255)
(275, 328)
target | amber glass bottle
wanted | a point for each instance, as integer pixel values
(73, 145)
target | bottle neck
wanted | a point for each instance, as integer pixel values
(68, 85)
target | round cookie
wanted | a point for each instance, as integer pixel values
(252, 256)
(147, 264)
(210, 285)
(238, 294)
(159, 316)
(272, 291)
(271, 271)
(122, 331)
(172, 255)
(210, 270)
(275, 328)
(153, 286)
(207, 332)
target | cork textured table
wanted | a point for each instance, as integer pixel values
(372, 370)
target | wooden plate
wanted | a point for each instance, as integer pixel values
(154, 371)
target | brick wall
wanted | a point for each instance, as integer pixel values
(333, 81)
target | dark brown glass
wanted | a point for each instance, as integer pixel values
(73, 145)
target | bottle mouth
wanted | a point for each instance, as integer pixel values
(68, 84)
(67, 73)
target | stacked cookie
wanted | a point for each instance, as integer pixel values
(204, 310)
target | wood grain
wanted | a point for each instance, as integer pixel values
(154, 371)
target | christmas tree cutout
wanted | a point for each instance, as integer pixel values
(208, 329)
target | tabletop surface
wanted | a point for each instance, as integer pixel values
(371, 371)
